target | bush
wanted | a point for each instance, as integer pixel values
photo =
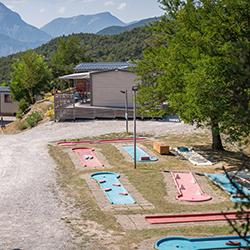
(50, 113)
(22, 125)
(22, 107)
(34, 118)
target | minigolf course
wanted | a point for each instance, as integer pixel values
(196, 217)
(87, 157)
(188, 188)
(238, 192)
(193, 157)
(112, 187)
(219, 242)
(104, 141)
(141, 155)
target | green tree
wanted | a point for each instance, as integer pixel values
(199, 61)
(30, 77)
(69, 52)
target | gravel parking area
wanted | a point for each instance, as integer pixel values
(31, 210)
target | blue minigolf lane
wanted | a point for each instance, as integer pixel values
(220, 242)
(140, 153)
(225, 183)
(112, 187)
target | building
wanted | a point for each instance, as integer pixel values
(7, 106)
(98, 90)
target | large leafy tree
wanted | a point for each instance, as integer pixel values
(69, 52)
(199, 62)
(30, 77)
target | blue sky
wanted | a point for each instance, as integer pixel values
(40, 12)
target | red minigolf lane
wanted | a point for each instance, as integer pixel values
(188, 188)
(121, 140)
(197, 217)
(87, 157)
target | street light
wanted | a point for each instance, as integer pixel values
(134, 89)
(126, 108)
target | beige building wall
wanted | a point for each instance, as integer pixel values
(106, 87)
(7, 106)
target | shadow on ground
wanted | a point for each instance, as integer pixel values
(237, 160)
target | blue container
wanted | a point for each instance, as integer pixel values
(232, 188)
(221, 242)
(140, 153)
(112, 187)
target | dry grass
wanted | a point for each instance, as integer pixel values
(41, 107)
(148, 179)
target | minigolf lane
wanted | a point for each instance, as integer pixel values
(112, 187)
(88, 157)
(238, 192)
(103, 141)
(196, 217)
(220, 242)
(188, 188)
(141, 155)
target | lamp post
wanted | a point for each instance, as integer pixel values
(134, 89)
(126, 108)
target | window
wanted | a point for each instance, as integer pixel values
(7, 98)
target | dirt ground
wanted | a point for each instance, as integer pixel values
(32, 210)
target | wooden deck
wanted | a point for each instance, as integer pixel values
(86, 111)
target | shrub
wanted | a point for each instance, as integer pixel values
(34, 118)
(22, 107)
(22, 125)
(50, 113)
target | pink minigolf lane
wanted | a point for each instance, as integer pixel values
(197, 217)
(104, 141)
(88, 157)
(188, 188)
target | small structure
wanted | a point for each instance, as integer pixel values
(7, 106)
(96, 91)
(161, 148)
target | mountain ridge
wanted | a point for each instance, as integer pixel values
(81, 24)
(115, 30)
(16, 34)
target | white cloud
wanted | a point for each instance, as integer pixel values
(10, 6)
(62, 10)
(42, 10)
(109, 3)
(122, 6)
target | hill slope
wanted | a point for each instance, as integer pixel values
(123, 47)
(82, 23)
(114, 30)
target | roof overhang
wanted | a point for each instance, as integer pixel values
(76, 76)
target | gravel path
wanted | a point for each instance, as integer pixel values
(30, 213)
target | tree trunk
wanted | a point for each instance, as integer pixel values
(217, 143)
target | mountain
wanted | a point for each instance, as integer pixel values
(81, 24)
(123, 47)
(12, 25)
(10, 46)
(17, 35)
(114, 30)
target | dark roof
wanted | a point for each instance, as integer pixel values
(100, 66)
(4, 89)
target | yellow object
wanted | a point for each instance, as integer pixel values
(161, 148)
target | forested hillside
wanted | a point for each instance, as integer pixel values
(123, 47)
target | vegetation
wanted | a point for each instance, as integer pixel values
(30, 76)
(34, 118)
(122, 47)
(198, 62)
(69, 52)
